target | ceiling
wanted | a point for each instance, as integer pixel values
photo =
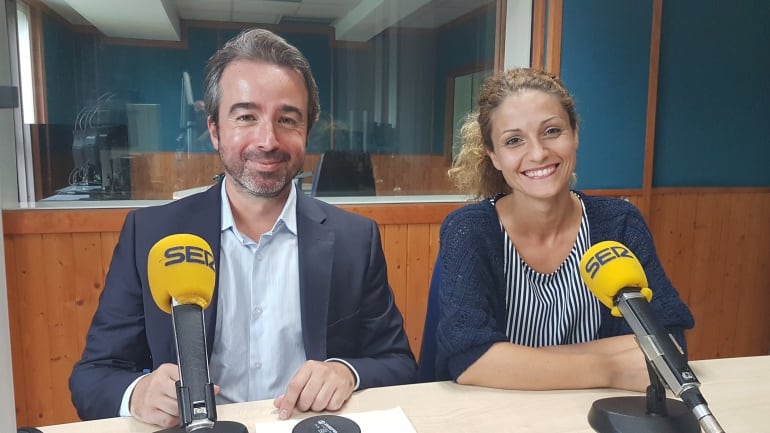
(353, 20)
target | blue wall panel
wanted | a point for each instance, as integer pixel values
(714, 94)
(60, 47)
(605, 63)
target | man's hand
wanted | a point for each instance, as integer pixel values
(154, 398)
(316, 386)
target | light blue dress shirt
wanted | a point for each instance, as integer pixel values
(258, 343)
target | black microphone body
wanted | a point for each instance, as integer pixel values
(665, 355)
(195, 392)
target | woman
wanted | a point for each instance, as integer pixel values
(514, 312)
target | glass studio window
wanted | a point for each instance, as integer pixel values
(120, 103)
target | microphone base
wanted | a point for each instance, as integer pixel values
(629, 415)
(219, 427)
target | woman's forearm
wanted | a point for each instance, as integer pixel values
(613, 362)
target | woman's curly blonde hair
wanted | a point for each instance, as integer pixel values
(472, 171)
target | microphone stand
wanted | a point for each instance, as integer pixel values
(209, 426)
(652, 413)
(194, 390)
(656, 394)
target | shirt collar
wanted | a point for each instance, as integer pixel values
(287, 218)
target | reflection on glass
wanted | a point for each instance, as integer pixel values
(465, 94)
(124, 116)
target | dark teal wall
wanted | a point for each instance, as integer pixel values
(713, 91)
(61, 54)
(604, 63)
(714, 94)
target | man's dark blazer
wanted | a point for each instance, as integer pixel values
(347, 306)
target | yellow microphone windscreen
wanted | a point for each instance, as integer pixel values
(610, 266)
(181, 266)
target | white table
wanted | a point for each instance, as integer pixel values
(737, 389)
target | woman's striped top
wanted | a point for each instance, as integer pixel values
(550, 309)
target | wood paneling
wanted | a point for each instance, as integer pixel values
(652, 106)
(553, 48)
(397, 258)
(712, 242)
(38, 59)
(501, 14)
(20, 373)
(44, 221)
(538, 34)
(33, 336)
(417, 269)
(714, 248)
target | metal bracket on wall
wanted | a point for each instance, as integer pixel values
(9, 97)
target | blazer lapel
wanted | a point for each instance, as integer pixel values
(316, 251)
(204, 218)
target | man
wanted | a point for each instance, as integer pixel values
(302, 310)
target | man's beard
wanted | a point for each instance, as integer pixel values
(258, 183)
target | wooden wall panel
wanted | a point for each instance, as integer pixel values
(20, 371)
(410, 252)
(60, 308)
(418, 241)
(666, 214)
(54, 283)
(396, 257)
(93, 253)
(714, 247)
(731, 273)
(34, 330)
(707, 232)
(761, 266)
(712, 243)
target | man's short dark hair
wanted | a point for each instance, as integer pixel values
(258, 45)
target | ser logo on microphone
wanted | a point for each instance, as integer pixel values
(189, 254)
(604, 256)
